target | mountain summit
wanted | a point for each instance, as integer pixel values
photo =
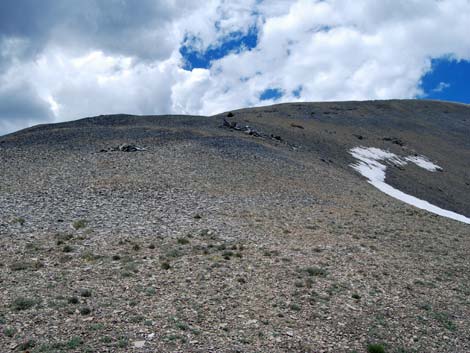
(310, 227)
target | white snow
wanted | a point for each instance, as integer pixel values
(372, 165)
(423, 162)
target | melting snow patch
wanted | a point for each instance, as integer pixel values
(372, 165)
(424, 163)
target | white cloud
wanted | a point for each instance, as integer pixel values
(333, 50)
(441, 87)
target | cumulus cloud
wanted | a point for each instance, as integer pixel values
(63, 61)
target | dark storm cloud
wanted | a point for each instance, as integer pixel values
(136, 28)
(21, 104)
(28, 28)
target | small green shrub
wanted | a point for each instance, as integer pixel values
(19, 220)
(79, 224)
(89, 256)
(73, 300)
(85, 310)
(67, 249)
(295, 307)
(9, 331)
(375, 348)
(22, 303)
(227, 254)
(182, 326)
(84, 292)
(74, 342)
(123, 342)
(183, 241)
(24, 346)
(165, 265)
(150, 291)
(315, 271)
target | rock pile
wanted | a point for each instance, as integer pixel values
(124, 148)
(249, 130)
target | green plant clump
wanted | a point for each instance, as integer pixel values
(79, 224)
(375, 348)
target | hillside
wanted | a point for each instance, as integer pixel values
(248, 231)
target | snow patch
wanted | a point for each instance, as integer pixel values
(424, 163)
(372, 165)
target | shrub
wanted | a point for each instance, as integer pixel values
(85, 292)
(74, 342)
(165, 265)
(26, 345)
(85, 310)
(73, 300)
(183, 241)
(315, 271)
(81, 223)
(375, 348)
(295, 307)
(9, 331)
(67, 249)
(19, 220)
(22, 303)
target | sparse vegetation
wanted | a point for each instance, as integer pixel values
(182, 326)
(79, 224)
(445, 320)
(73, 300)
(89, 256)
(74, 342)
(284, 253)
(150, 291)
(23, 303)
(165, 265)
(28, 344)
(26, 265)
(84, 292)
(9, 331)
(19, 220)
(67, 249)
(123, 342)
(183, 241)
(315, 271)
(375, 348)
(85, 310)
(295, 307)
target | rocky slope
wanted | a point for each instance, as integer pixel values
(252, 234)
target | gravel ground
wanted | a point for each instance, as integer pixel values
(212, 240)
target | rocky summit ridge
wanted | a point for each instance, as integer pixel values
(255, 230)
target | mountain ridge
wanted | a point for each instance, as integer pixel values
(250, 230)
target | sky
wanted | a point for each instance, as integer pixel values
(63, 60)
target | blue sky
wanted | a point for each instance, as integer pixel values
(448, 80)
(234, 42)
(97, 57)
